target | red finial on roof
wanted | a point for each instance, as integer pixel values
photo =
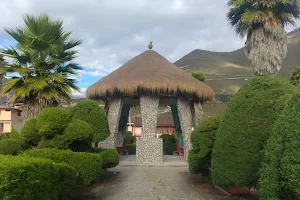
(150, 45)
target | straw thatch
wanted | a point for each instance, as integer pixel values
(150, 73)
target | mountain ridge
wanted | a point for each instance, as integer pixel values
(227, 71)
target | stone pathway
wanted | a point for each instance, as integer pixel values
(150, 183)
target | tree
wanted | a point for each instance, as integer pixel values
(263, 22)
(295, 78)
(43, 59)
(199, 76)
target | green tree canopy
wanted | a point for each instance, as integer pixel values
(43, 59)
(199, 76)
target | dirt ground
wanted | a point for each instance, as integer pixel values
(149, 183)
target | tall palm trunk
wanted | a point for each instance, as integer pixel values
(266, 50)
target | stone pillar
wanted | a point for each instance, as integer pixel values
(122, 124)
(149, 149)
(198, 112)
(192, 108)
(113, 115)
(185, 117)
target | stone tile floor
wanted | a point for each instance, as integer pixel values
(170, 181)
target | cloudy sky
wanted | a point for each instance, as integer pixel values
(113, 31)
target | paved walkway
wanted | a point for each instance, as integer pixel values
(169, 160)
(150, 183)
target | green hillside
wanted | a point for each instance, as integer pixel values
(227, 71)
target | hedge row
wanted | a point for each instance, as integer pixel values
(87, 165)
(280, 171)
(203, 139)
(34, 178)
(245, 128)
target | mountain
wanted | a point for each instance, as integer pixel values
(227, 71)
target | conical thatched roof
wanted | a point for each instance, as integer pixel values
(149, 73)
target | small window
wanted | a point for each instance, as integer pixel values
(19, 112)
(7, 110)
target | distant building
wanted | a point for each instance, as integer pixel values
(10, 118)
(165, 125)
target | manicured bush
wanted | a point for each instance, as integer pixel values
(131, 148)
(29, 133)
(57, 142)
(110, 158)
(10, 146)
(129, 138)
(88, 165)
(3, 136)
(245, 128)
(78, 135)
(34, 178)
(97, 150)
(280, 169)
(169, 143)
(203, 139)
(194, 161)
(14, 134)
(90, 112)
(52, 121)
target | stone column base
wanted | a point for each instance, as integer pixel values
(149, 151)
(108, 143)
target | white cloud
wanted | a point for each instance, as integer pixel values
(113, 31)
(80, 93)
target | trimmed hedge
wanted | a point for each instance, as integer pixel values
(10, 147)
(88, 165)
(203, 139)
(169, 143)
(129, 138)
(29, 133)
(280, 171)
(78, 135)
(14, 134)
(245, 128)
(90, 112)
(110, 158)
(131, 148)
(52, 121)
(34, 178)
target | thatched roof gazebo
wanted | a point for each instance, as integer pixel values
(150, 73)
(150, 80)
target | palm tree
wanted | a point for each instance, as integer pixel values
(263, 22)
(42, 60)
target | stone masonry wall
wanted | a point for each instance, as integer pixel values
(114, 111)
(198, 113)
(149, 149)
(185, 117)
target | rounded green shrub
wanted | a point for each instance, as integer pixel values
(35, 178)
(57, 142)
(110, 158)
(131, 148)
(29, 133)
(129, 138)
(10, 146)
(14, 134)
(280, 169)
(203, 139)
(87, 165)
(78, 135)
(194, 161)
(245, 128)
(169, 143)
(90, 112)
(52, 121)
